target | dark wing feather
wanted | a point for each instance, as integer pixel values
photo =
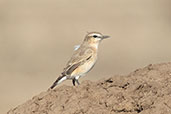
(78, 58)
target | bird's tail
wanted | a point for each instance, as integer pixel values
(58, 80)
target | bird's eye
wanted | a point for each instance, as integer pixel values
(95, 36)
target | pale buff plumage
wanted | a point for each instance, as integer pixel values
(82, 60)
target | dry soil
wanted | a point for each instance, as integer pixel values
(144, 91)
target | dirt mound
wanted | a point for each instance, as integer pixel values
(144, 91)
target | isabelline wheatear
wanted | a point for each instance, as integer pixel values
(83, 59)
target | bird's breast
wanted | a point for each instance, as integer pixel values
(85, 68)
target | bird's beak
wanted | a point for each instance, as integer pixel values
(105, 37)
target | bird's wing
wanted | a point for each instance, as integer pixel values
(78, 58)
(76, 47)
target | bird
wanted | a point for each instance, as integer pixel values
(83, 59)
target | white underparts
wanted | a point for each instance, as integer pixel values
(62, 79)
(77, 77)
(95, 45)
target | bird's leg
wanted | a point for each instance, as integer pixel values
(73, 81)
(77, 82)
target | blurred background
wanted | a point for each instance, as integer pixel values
(37, 38)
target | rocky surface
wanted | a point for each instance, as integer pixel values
(144, 91)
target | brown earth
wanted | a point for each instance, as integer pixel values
(144, 91)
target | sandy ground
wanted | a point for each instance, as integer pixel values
(144, 91)
(37, 38)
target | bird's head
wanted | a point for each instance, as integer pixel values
(95, 37)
